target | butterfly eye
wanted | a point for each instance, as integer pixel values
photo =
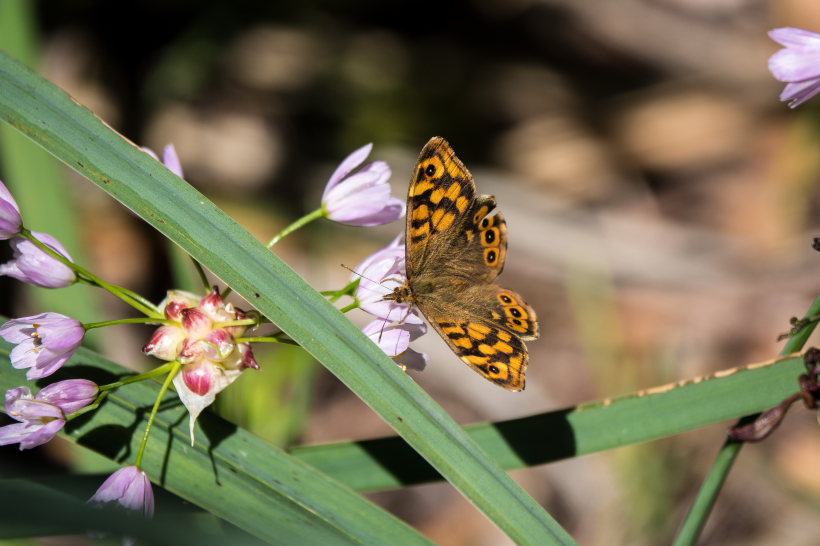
(494, 370)
(431, 170)
(489, 237)
(505, 299)
(516, 313)
(485, 223)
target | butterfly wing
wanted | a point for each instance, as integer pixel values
(486, 325)
(441, 194)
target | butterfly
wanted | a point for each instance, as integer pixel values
(453, 253)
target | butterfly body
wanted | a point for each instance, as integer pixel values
(454, 252)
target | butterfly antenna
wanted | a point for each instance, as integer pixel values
(392, 305)
(359, 274)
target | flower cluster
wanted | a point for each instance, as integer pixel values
(396, 324)
(202, 342)
(199, 336)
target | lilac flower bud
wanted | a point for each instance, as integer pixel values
(129, 488)
(70, 395)
(169, 158)
(44, 342)
(797, 63)
(10, 221)
(39, 420)
(33, 265)
(362, 199)
(165, 342)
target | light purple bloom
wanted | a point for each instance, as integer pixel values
(798, 63)
(394, 250)
(363, 198)
(33, 265)
(44, 342)
(10, 221)
(378, 280)
(39, 420)
(69, 395)
(394, 339)
(169, 158)
(129, 488)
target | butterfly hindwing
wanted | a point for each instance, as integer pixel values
(441, 194)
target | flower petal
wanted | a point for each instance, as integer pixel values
(348, 164)
(42, 434)
(61, 334)
(171, 160)
(800, 92)
(392, 211)
(795, 37)
(70, 395)
(795, 64)
(412, 360)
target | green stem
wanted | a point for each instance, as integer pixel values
(202, 275)
(350, 307)
(141, 320)
(696, 517)
(162, 370)
(127, 296)
(225, 292)
(174, 370)
(86, 409)
(243, 322)
(318, 213)
(348, 290)
(265, 339)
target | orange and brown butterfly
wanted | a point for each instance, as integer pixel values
(454, 252)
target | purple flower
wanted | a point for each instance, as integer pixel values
(69, 395)
(10, 221)
(44, 342)
(394, 339)
(363, 198)
(378, 280)
(394, 250)
(798, 63)
(129, 488)
(33, 265)
(39, 420)
(169, 158)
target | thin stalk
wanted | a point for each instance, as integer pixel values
(348, 290)
(350, 307)
(202, 275)
(140, 320)
(318, 213)
(241, 322)
(162, 370)
(126, 295)
(174, 370)
(698, 513)
(265, 339)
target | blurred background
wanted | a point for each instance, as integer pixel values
(660, 203)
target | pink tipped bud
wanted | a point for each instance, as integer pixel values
(165, 343)
(217, 345)
(195, 322)
(247, 356)
(198, 377)
(190, 351)
(175, 302)
(212, 302)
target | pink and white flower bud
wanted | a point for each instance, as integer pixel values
(32, 265)
(39, 420)
(195, 322)
(190, 350)
(175, 301)
(217, 345)
(247, 361)
(44, 342)
(70, 395)
(198, 376)
(165, 343)
(10, 221)
(128, 488)
(238, 331)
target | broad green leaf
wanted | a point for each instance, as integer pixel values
(606, 424)
(228, 472)
(74, 135)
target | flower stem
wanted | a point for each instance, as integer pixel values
(202, 276)
(141, 377)
(174, 369)
(141, 320)
(318, 213)
(348, 290)
(350, 307)
(131, 298)
(94, 405)
(266, 339)
(242, 322)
